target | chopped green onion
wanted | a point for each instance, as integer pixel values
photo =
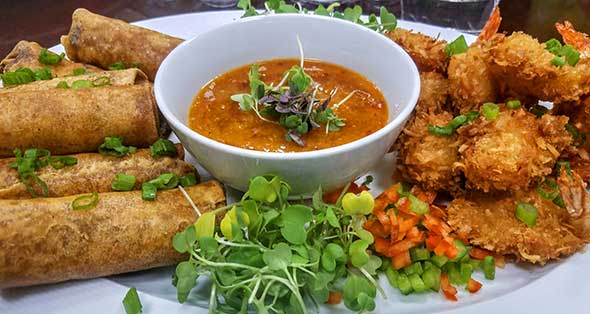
(558, 61)
(457, 46)
(131, 302)
(572, 56)
(548, 189)
(418, 254)
(579, 137)
(79, 84)
(24, 76)
(559, 201)
(453, 271)
(50, 58)
(43, 74)
(566, 165)
(489, 267)
(148, 192)
(417, 283)
(513, 104)
(553, 45)
(123, 182)
(85, 201)
(466, 270)
(538, 110)
(59, 162)
(188, 179)
(476, 264)
(163, 147)
(101, 81)
(440, 130)
(117, 66)
(79, 71)
(527, 213)
(439, 261)
(472, 115)
(417, 205)
(415, 268)
(463, 250)
(490, 111)
(404, 285)
(457, 121)
(24, 177)
(63, 84)
(392, 276)
(113, 146)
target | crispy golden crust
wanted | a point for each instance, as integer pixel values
(434, 92)
(490, 222)
(427, 52)
(25, 55)
(115, 78)
(93, 173)
(102, 41)
(67, 121)
(45, 241)
(428, 159)
(523, 65)
(511, 152)
(471, 82)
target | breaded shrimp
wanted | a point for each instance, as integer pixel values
(490, 222)
(512, 152)
(434, 92)
(522, 64)
(427, 52)
(427, 159)
(471, 82)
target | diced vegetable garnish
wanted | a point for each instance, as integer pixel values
(527, 213)
(489, 268)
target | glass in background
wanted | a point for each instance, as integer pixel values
(465, 15)
(220, 4)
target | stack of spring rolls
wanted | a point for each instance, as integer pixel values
(44, 240)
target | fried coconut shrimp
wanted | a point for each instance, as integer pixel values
(427, 159)
(511, 152)
(427, 52)
(522, 64)
(471, 82)
(434, 92)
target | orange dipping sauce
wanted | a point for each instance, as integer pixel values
(214, 115)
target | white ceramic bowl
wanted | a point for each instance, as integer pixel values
(196, 61)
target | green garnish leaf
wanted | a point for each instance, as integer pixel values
(80, 84)
(457, 46)
(558, 62)
(188, 179)
(59, 162)
(165, 181)
(186, 279)
(123, 182)
(279, 257)
(262, 190)
(388, 19)
(25, 75)
(50, 58)
(131, 302)
(245, 101)
(163, 147)
(294, 219)
(359, 294)
(85, 202)
(63, 84)
(358, 253)
(79, 71)
(205, 226)
(353, 14)
(148, 192)
(113, 146)
(299, 81)
(321, 10)
(117, 66)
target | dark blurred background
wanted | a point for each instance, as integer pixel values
(45, 20)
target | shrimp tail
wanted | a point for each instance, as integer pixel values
(492, 25)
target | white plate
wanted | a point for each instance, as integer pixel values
(555, 288)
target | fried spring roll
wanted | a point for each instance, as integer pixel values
(102, 41)
(25, 55)
(114, 78)
(67, 121)
(93, 173)
(46, 241)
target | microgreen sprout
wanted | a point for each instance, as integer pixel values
(272, 256)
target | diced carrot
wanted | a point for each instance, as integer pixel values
(442, 248)
(462, 236)
(376, 228)
(432, 241)
(382, 217)
(404, 206)
(473, 285)
(426, 196)
(479, 254)
(381, 245)
(400, 247)
(415, 235)
(391, 194)
(449, 291)
(335, 297)
(401, 260)
(380, 204)
(437, 212)
(452, 251)
(394, 228)
(407, 224)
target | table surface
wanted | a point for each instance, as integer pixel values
(44, 21)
